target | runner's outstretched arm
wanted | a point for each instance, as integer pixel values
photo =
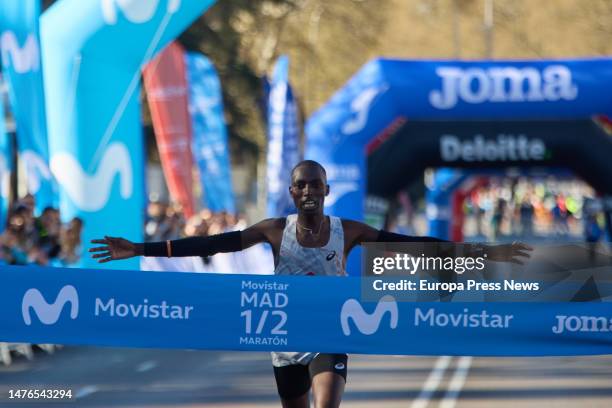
(358, 233)
(115, 248)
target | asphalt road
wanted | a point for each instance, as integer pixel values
(110, 377)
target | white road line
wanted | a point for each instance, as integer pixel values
(456, 383)
(85, 391)
(146, 366)
(432, 383)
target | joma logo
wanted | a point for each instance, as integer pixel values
(502, 84)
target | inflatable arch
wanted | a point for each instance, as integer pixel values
(395, 118)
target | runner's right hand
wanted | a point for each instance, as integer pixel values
(113, 249)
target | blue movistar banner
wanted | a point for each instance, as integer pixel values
(21, 64)
(265, 313)
(283, 140)
(210, 148)
(92, 89)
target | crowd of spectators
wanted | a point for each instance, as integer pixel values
(45, 241)
(42, 240)
(507, 209)
(526, 209)
(166, 221)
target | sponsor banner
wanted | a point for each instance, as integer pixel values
(94, 52)
(265, 313)
(6, 166)
(166, 86)
(209, 146)
(283, 140)
(21, 64)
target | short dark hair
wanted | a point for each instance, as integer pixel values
(308, 163)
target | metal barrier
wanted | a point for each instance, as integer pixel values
(24, 349)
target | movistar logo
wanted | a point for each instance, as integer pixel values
(503, 148)
(23, 59)
(49, 313)
(502, 84)
(135, 11)
(368, 323)
(90, 192)
(36, 170)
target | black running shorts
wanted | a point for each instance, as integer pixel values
(295, 380)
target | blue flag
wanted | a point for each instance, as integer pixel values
(92, 89)
(283, 140)
(209, 142)
(22, 67)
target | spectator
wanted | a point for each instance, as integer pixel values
(71, 242)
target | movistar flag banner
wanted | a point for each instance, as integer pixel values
(209, 143)
(283, 140)
(6, 165)
(21, 64)
(94, 52)
(265, 313)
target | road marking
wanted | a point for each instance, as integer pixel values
(456, 383)
(85, 391)
(146, 366)
(432, 383)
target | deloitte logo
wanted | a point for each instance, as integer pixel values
(368, 323)
(503, 148)
(49, 313)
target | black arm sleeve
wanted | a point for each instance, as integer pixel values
(386, 236)
(197, 246)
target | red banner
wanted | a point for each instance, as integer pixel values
(166, 86)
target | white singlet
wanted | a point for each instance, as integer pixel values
(294, 259)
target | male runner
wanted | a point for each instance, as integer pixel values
(306, 243)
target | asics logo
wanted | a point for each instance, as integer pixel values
(23, 59)
(368, 323)
(91, 192)
(135, 11)
(49, 313)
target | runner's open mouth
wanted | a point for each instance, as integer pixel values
(309, 204)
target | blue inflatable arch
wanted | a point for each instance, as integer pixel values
(390, 98)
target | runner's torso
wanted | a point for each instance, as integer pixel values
(294, 259)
